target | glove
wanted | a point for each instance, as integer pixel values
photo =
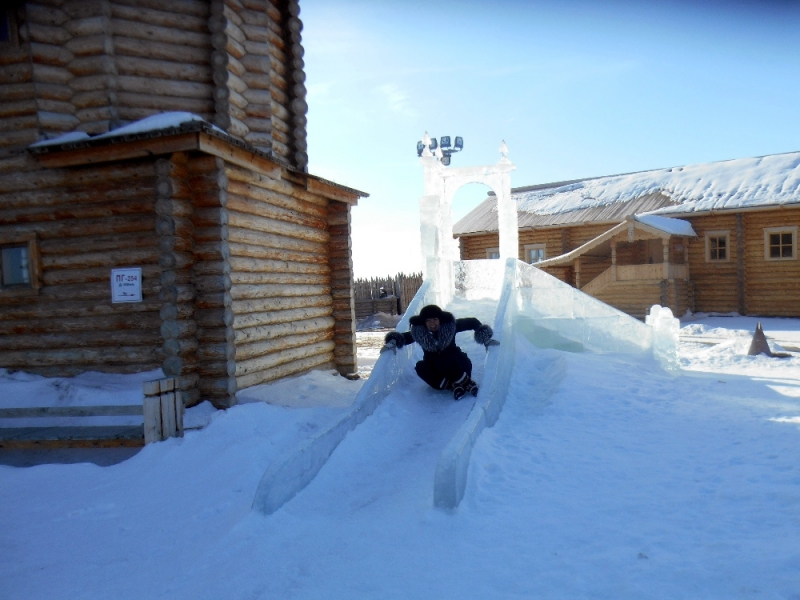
(393, 341)
(491, 343)
(483, 335)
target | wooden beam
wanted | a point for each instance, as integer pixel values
(120, 151)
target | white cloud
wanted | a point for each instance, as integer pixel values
(397, 100)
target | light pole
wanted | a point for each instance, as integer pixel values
(442, 149)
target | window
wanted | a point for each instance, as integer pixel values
(8, 28)
(718, 246)
(19, 270)
(780, 243)
(493, 253)
(534, 253)
(15, 266)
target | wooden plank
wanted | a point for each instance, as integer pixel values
(120, 432)
(152, 418)
(167, 405)
(72, 411)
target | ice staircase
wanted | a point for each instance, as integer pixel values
(529, 303)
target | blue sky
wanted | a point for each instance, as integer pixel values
(576, 89)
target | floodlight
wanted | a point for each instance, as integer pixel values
(459, 143)
(445, 142)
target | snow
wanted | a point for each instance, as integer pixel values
(731, 184)
(668, 225)
(603, 477)
(157, 122)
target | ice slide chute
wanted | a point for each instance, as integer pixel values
(548, 312)
(296, 468)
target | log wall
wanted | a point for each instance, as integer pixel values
(87, 221)
(93, 65)
(716, 283)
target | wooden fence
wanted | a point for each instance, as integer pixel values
(401, 286)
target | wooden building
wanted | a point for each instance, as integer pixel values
(739, 255)
(245, 257)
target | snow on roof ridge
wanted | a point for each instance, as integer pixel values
(727, 184)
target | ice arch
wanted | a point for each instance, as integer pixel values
(439, 249)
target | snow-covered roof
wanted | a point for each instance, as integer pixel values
(668, 225)
(725, 185)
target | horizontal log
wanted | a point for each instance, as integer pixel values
(80, 339)
(166, 87)
(275, 254)
(161, 18)
(60, 178)
(238, 278)
(263, 203)
(87, 227)
(254, 291)
(243, 308)
(165, 69)
(85, 356)
(16, 73)
(173, 35)
(284, 328)
(242, 265)
(285, 350)
(66, 324)
(86, 211)
(63, 277)
(108, 258)
(238, 235)
(48, 34)
(13, 92)
(50, 54)
(197, 8)
(284, 229)
(248, 355)
(320, 357)
(133, 47)
(281, 190)
(255, 320)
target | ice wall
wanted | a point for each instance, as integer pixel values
(553, 314)
(666, 331)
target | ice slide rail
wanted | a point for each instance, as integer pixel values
(550, 314)
(289, 473)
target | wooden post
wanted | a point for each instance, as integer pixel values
(665, 248)
(577, 266)
(613, 261)
(163, 410)
(740, 264)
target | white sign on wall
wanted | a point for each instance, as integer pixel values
(126, 285)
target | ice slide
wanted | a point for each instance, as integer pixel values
(519, 300)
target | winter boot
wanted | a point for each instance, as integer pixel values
(458, 391)
(471, 387)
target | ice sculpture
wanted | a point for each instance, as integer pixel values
(666, 330)
(439, 249)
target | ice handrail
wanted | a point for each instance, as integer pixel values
(293, 470)
(450, 480)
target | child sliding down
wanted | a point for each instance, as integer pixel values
(444, 365)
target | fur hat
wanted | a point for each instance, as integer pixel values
(430, 312)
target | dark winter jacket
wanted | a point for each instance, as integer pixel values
(442, 342)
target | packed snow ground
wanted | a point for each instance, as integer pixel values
(603, 478)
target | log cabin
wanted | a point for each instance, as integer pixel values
(714, 237)
(165, 140)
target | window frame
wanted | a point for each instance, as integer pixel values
(784, 229)
(13, 28)
(726, 233)
(490, 251)
(528, 247)
(34, 267)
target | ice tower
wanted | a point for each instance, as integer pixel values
(439, 249)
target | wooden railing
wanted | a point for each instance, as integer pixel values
(651, 272)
